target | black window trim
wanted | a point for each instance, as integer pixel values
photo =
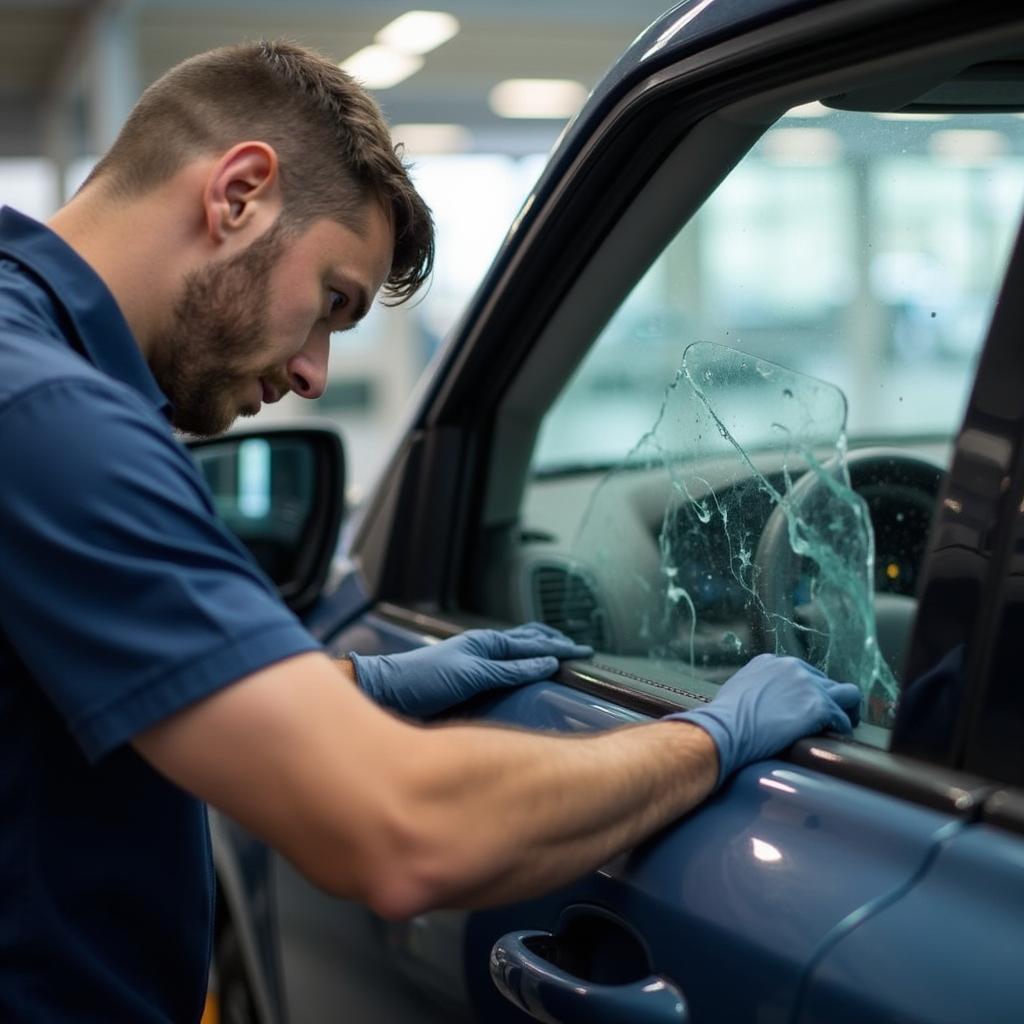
(969, 563)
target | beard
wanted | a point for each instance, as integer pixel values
(204, 359)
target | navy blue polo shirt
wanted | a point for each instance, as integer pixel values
(123, 599)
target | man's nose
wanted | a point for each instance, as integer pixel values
(307, 369)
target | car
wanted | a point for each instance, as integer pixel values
(745, 375)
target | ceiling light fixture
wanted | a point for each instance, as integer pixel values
(802, 147)
(537, 97)
(813, 109)
(968, 146)
(381, 67)
(900, 115)
(418, 31)
(425, 139)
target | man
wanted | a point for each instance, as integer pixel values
(251, 205)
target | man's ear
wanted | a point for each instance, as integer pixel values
(243, 191)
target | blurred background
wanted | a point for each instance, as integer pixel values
(871, 239)
(478, 93)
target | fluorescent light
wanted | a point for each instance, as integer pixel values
(967, 145)
(537, 97)
(432, 138)
(897, 115)
(418, 31)
(813, 109)
(802, 147)
(380, 67)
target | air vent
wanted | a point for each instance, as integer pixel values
(567, 600)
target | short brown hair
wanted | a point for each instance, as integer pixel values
(334, 147)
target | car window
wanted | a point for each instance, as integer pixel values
(863, 249)
(748, 457)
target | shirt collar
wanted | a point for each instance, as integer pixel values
(98, 323)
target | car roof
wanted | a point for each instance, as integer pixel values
(688, 27)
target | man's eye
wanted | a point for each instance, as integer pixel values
(337, 300)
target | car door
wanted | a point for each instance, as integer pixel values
(570, 447)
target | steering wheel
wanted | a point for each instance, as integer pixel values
(900, 492)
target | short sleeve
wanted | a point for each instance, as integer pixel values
(122, 592)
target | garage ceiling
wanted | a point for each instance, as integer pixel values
(41, 41)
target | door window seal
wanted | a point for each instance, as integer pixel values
(949, 791)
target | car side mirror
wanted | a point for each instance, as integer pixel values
(281, 491)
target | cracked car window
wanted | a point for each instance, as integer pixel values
(759, 544)
(771, 486)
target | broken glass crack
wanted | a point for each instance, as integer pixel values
(730, 528)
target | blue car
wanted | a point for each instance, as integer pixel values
(745, 375)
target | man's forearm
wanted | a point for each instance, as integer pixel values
(404, 817)
(506, 814)
(497, 815)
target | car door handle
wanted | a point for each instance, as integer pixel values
(537, 986)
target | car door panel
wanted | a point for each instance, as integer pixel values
(340, 962)
(242, 864)
(759, 877)
(966, 909)
(748, 886)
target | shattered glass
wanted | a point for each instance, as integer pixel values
(756, 542)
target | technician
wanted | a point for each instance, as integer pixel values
(251, 206)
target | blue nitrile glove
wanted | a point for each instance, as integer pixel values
(423, 682)
(769, 704)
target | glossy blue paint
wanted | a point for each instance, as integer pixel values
(339, 604)
(373, 634)
(551, 706)
(964, 915)
(548, 993)
(757, 879)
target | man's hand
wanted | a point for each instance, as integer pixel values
(769, 704)
(431, 679)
